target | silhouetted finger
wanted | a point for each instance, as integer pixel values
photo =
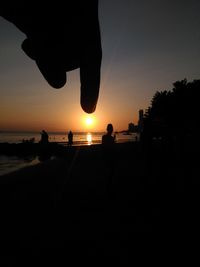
(90, 83)
(49, 61)
(90, 64)
(90, 75)
(55, 77)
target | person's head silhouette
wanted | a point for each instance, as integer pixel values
(109, 128)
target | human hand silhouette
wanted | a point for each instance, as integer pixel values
(61, 37)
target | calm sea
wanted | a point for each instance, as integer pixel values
(9, 164)
(79, 138)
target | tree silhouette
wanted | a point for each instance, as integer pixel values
(174, 113)
(176, 109)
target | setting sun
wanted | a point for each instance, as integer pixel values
(89, 121)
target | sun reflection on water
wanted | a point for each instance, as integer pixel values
(89, 138)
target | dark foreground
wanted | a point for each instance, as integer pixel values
(67, 211)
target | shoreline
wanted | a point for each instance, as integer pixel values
(32, 154)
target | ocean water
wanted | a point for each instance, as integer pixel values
(79, 138)
(9, 164)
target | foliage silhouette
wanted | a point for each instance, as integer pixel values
(176, 110)
(171, 125)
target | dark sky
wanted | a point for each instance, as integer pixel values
(147, 46)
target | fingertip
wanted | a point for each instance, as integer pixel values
(89, 97)
(54, 76)
(57, 82)
(88, 106)
(52, 69)
(28, 49)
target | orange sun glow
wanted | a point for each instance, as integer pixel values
(89, 121)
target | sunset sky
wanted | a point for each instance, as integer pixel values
(147, 46)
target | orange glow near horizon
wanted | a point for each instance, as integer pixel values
(58, 117)
(76, 122)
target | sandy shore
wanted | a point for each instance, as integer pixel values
(77, 201)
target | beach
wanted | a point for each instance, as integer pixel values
(76, 207)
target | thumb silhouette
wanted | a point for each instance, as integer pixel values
(62, 37)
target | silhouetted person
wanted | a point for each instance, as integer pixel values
(70, 138)
(61, 36)
(108, 139)
(44, 137)
(44, 152)
(108, 145)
